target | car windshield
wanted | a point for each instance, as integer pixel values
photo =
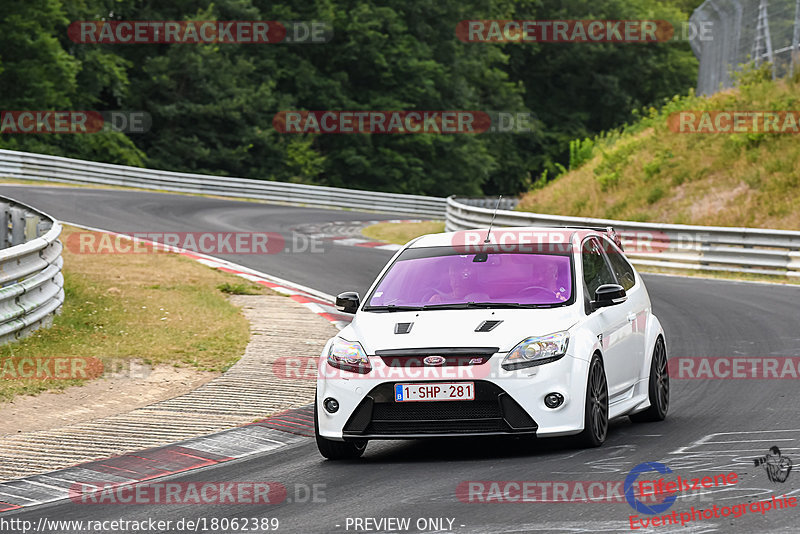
(423, 278)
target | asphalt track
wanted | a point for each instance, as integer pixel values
(714, 426)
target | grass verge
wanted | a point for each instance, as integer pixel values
(402, 233)
(721, 275)
(160, 308)
(648, 172)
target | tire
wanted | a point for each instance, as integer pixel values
(657, 388)
(337, 450)
(595, 413)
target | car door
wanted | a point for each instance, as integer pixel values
(638, 304)
(610, 323)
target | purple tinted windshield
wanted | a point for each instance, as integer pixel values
(537, 279)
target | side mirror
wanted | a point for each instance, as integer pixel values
(609, 295)
(348, 302)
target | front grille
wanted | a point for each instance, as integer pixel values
(458, 356)
(407, 362)
(422, 411)
(438, 427)
(492, 411)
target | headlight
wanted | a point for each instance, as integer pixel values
(348, 356)
(536, 351)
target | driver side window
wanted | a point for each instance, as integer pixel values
(595, 268)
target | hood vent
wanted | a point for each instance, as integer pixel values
(403, 328)
(487, 326)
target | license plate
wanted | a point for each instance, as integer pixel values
(440, 391)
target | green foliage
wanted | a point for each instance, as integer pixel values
(616, 158)
(749, 75)
(660, 161)
(607, 180)
(212, 105)
(240, 288)
(655, 194)
(579, 90)
(580, 151)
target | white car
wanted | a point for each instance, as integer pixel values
(542, 331)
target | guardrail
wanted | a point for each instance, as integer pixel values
(31, 166)
(667, 246)
(31, 283)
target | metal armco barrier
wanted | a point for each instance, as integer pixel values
(31, 166)
(667, 246)
(31, 283)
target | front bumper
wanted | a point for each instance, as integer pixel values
(506, 402)
(493, 411)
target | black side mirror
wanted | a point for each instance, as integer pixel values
(609, 295)
(348, 302)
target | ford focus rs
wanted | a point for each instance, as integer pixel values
(539, 331)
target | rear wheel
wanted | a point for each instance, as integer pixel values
(658, 387)
(595, 418)
(337, 450)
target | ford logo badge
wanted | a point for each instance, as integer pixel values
(434, 360)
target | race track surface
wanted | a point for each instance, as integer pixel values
(714, 426)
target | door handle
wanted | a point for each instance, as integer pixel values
(631, 317)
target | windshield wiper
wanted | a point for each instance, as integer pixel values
(393, 308)
(468, 305)
(456, 306)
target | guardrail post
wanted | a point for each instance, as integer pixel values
(5, 241)
(31, 227)
(43, 227)
(17, 226)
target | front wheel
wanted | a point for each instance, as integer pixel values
(658, 387)
(595, 417)
(337, 450)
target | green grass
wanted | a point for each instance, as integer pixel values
(159, 308)
(722, 275)
(647, 172)
(241, 288)
(402, 233)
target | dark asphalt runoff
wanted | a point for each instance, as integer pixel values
(714, 426)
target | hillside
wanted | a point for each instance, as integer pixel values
(648, 172)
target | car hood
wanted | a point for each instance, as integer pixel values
(455, 328)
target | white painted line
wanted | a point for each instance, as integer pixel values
(695, 447)
(711, 278)
(54, 488)
(14, 497)
(350, 241)
(314, 307)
